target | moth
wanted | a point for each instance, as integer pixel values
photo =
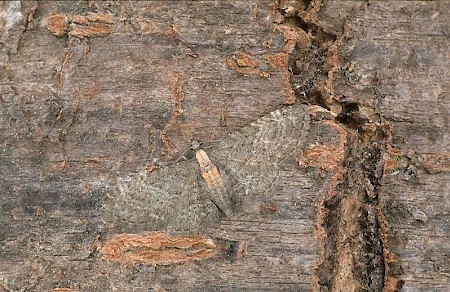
(242, 169)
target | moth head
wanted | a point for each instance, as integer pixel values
(195, 144)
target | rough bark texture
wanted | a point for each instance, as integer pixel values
(101, 191)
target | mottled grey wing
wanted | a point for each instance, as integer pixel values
(269, 140)
(172, 199)
(166, 199)
(253, 157)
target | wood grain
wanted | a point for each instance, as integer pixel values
(95, 92)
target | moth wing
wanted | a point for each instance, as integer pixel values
(166, 199)
(253, 155)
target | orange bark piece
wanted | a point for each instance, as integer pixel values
(158, 248)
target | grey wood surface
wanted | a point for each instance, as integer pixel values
(97, 98)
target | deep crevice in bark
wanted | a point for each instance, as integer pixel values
(353, 254)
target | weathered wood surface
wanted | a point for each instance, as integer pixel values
(398, 63)
(94, 94)
(405, 48)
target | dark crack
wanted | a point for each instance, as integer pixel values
(353, 246)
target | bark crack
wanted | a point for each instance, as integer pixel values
(351, 225)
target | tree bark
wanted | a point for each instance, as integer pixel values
(324, 161)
